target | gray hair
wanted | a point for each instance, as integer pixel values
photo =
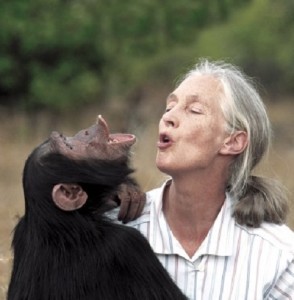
(260, 199)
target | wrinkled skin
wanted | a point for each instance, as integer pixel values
(97, 142)
(94, 142)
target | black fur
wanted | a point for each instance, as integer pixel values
(80, 255)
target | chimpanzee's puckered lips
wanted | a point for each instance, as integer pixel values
(115, 138)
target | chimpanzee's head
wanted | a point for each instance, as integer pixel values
(69, 173)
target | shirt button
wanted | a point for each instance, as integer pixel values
(200, 268)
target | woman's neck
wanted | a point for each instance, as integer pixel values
(190, 209)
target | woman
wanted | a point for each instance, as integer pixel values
(218, 229)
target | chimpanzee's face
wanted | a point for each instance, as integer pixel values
(95, 142)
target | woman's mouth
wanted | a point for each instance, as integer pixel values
(164, 141)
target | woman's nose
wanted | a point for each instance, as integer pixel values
(170, 119)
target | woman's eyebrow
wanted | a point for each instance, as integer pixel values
(195, 98)
(171, 97)
(192, 98)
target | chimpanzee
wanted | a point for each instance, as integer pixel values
(65, 248)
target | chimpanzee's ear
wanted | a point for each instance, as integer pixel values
(68, 196)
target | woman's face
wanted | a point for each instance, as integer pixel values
(192, 129)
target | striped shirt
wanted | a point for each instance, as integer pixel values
(233, 262)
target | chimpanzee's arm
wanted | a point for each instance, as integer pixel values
(132, 201)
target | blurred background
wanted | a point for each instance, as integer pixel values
(64, 62)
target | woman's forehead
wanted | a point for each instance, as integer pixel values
(198, 88)
(189, 99)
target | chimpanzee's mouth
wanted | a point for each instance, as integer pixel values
(118, 138)
(115, 138)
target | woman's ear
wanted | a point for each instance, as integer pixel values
(68, 196)
(235, 143)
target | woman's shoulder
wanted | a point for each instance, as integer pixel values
(279, 236)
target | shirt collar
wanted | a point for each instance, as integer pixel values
(219, 240)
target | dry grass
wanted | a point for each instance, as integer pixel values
(18, 135)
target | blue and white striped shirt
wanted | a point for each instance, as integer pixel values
(233, 262)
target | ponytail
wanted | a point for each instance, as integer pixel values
(263, 200)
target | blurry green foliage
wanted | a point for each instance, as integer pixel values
(260, 38)
(62, 54)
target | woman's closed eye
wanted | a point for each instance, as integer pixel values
(168, 108)
(196, 110)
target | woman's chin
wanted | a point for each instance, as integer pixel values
(164, 168)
